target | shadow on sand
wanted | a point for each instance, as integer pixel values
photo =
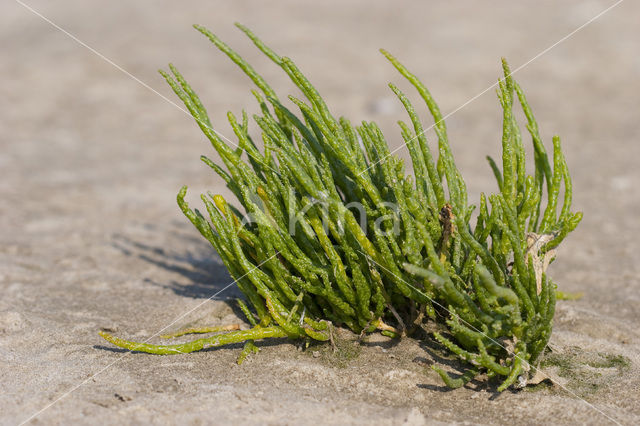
(200, 264)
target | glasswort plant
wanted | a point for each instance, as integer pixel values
(334, 232)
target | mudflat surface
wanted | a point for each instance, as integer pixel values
(91, 237)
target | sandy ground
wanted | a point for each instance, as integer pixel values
(91, 238)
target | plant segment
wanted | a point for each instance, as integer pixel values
(334, 232)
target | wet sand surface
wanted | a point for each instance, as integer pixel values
(91, 237)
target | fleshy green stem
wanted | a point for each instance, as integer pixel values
(256, 333)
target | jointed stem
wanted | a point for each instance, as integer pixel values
(202, 330)
(255, 333)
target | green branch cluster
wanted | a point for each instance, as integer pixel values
(336, 233)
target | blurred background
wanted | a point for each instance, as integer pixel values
(91, 159)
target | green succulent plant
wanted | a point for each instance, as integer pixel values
(334, 232)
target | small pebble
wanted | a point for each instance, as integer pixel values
(316, 354)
